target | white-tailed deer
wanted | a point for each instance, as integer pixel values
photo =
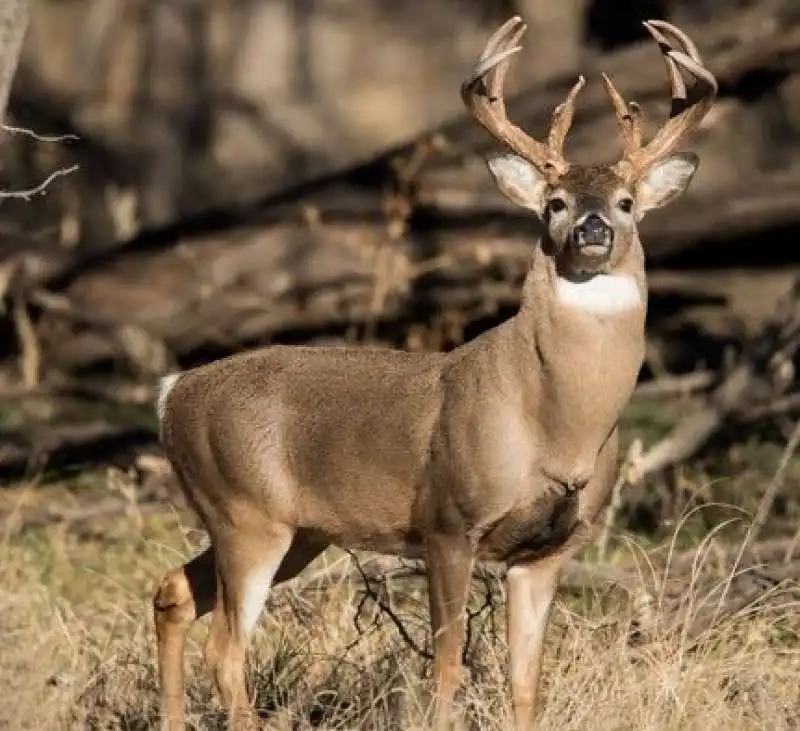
(502, 450)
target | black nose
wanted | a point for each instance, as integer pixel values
(593, 231)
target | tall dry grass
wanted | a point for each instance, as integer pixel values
(77, 649)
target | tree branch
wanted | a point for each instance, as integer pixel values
(14, 18)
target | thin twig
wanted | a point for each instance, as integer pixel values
(39, 138)
(487, 607)
(387, 610)
(778, 407)
(627, 475)
(789, 555)
(30, 351)
(774, 487)
(29, 193)
(762, 512)
(672, 385)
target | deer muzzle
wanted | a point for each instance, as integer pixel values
(593, 230)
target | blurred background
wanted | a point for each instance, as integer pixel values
(225, 174)
(259, 171)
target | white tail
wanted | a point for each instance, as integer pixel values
(503, 449)
(165, 385)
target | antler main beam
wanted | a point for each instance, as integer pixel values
(687, 109)
(482, 93)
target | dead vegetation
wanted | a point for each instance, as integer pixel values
(646, 655)
(693, 624)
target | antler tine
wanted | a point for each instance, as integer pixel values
(482, 94)
(499, 48)
(562, 118)
(689, 47)
(692, 63)
(677, 84)
(629, 117)
(635, 115)
(688, 110)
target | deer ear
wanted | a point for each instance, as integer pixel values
(519, 181)
(665, 181)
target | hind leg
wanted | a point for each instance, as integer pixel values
(184, 595)
(302, 551)
(247, 562)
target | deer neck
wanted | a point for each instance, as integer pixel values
(550, 294)
(578, 345)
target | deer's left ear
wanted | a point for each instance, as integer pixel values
(665, 181)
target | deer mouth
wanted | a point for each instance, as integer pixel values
(588, 256)
(590, 253)
(593, 251)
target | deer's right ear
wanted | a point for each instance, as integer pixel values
(519, 181)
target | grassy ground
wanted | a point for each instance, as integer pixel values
(78, 651)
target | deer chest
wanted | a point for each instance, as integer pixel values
(531, 531)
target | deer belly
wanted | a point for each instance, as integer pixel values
(407, 544)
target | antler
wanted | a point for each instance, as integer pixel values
(686, 113)
(482, 92)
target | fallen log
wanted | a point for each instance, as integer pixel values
(761, 375)
(221, 291)
(46, 448)
(375, 245)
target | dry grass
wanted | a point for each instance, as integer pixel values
(78, 652)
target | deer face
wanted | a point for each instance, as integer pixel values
(591, 213)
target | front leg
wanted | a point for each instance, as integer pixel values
(450, 560)
(531, 589)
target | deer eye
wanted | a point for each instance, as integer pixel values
(626, 205)
(556, 205)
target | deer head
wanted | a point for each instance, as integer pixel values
(590, 213)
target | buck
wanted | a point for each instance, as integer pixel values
(503, 449)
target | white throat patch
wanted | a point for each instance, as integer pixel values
(603, 294)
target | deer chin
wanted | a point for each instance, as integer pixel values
(585, 261)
